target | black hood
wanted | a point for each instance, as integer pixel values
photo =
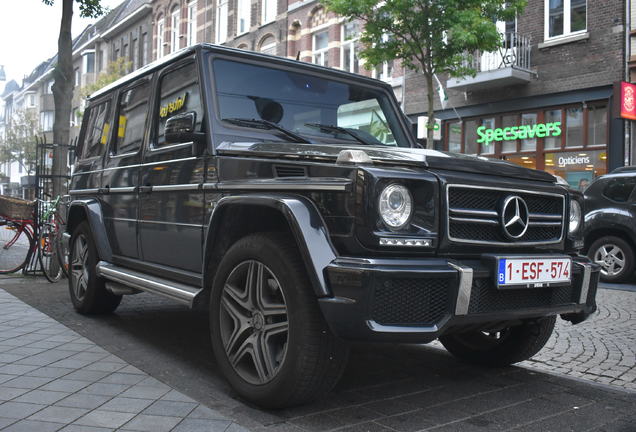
(395, 156)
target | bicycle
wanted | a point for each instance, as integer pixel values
(16, 243)
(51, 252)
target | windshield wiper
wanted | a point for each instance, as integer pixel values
(268, 125)
(338, 129)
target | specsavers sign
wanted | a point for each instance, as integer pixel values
(512, 133)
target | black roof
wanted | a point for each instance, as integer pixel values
(625, 169)
(239, 53)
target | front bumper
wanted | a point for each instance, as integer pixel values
(418, 300)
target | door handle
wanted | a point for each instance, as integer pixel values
(145, 189)
(103, 190)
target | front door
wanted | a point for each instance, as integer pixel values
(171, 194)
(120, 179)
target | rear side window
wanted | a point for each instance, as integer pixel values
(619, 189)
(179, 94)
(97, 130)
(131, 118)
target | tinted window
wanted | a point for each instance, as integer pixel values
(179, 94)
(131, 120)
(619, 189)
(97, 130)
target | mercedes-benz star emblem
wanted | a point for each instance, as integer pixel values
(514, 217)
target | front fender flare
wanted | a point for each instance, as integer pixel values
(305, 223)
(91, 210)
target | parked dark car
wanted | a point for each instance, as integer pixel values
(290, 201)
(610, 223)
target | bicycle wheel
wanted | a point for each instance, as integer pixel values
(47, 253)
(15, 244)
(61, 252)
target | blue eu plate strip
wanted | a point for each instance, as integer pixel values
(502, 271)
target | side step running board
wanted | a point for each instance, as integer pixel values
(167, 288)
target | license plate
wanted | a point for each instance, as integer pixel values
(533, 272)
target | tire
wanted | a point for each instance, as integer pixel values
(306, 360)
(16, 244)
(47, 253)
(88, 292)
(502, 348)
(615, 256)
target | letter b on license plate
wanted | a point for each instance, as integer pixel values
(533, 272)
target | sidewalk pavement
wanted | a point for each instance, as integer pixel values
(53, 379)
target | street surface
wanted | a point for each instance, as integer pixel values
(583, 380)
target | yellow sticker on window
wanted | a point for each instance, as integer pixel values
(104, 139)
(121, 130)
(173, 106)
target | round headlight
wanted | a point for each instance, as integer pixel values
(395, 206)
(575, 215)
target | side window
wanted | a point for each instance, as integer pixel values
(619, 189)
(179, 94)
(131, 118)
(97, 131)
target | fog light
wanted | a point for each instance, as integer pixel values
(405, 242)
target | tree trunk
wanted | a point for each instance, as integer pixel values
(62, 96)
(430, 93)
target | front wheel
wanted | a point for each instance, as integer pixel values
(16, 244)
(268, 335)
(48, 252)
(615, 256)
(503, 346)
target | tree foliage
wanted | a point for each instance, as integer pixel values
(88, 8)
(428, 36)
(114, 70)
(18, 143)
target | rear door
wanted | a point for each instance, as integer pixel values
(171, 194)
(120, 179)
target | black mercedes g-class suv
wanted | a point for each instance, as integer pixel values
(293, 202)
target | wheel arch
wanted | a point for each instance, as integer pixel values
(235, 216)
(91, 211)
(615, 231)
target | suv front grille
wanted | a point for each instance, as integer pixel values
(474, 215)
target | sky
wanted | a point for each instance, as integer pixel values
(28, 33)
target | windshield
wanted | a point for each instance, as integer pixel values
(321, 110)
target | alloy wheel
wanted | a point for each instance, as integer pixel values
(79, 267)
(254, 325)
(611, 259)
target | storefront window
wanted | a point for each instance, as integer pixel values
(488, 147)
(553, 142)
(574, 127)
(597, 126)
(529, 119)
(578, 168)
(509, 146)
(470, 137)
(455, 137)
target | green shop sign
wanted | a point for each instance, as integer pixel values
(512, 133)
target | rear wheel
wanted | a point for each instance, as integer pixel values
(268, 335)
(503, 346)
(15, 245)
(47, 252)
(88, 291)
(615, 256)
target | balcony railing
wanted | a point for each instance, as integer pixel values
(514, 51)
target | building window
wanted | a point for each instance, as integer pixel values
(174, 29)
(269, 10)
(597, 126)
(321, 48)
(46, 120)
(470, 137)
(135, 55)
(564, 17)
(528, 119)
(191, 36)
(49, 87)
(76, 75)
(243, 16)
(221, 21)
(160, 34)
(144, 49)
(552, 116)
(268, 45)
(31, 100)
(455, 137)
(574, 127)
(89, 61)
(349, 59)
(509, 146)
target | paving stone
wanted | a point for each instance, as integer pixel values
(125, 404)
(83, 400)
(32, 426)
(104, 366)
(176, 396)
(105, 389)
(108, 419)
(201, 425)
(26, 382)
(65, 385)
(43, 397)
(8, 393)
(170, 408)
(86, 375)
(203, 412)
(152, 423)
(122, 378)
(49, 372)
(57, 414)
(6, 422)
(144, 392)
(78, 428)
(14, 369)
(18, 410)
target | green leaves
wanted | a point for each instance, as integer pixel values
(88, 8)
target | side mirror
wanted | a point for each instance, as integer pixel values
(180, 129)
